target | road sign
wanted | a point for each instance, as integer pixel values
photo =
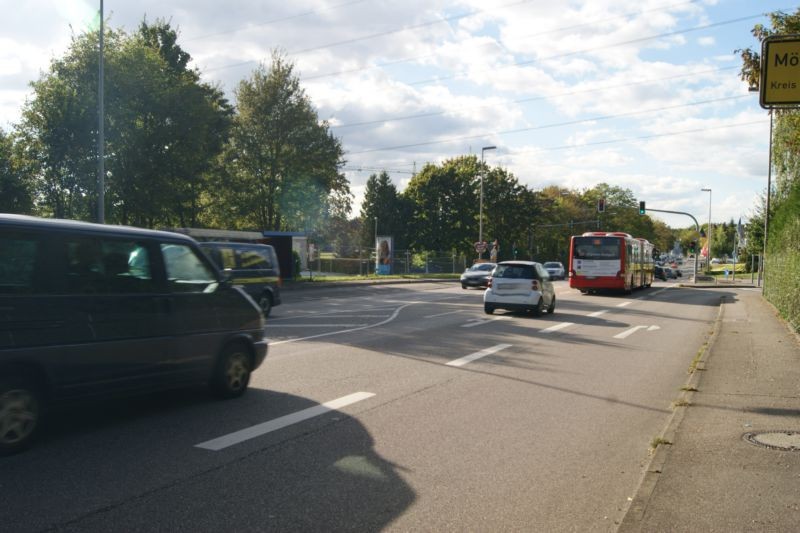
(780, 71)
(480, 247)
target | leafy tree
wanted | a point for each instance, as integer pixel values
(283, 163)
(58, 130)
(509, 213)
(15, 193)
(782, 261)
(164, 132)
(163, 129)
(444, 206)
(381, 202)
(786, 136)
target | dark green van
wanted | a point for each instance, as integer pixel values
(252, 266)
(89, 310)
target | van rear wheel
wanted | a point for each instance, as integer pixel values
(232, 375)
(20, 414)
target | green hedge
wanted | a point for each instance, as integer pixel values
(782, 276)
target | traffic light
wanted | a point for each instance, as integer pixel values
(642, 210)
(601, 205)
(692, 247)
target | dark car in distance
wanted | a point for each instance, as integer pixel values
(91, 310)
(254, 267)
(477, 275)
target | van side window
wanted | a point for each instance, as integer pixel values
(186, 272)
(252, 260)
(17, 263)
(107, 266)
(227, 258)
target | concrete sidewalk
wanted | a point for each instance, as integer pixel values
(711, 477)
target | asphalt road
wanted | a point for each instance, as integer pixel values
(399, 408)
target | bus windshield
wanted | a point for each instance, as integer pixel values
(596, 248)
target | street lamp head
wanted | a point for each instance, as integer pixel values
(706, 190)
(488, 148)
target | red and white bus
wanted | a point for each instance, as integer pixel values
(609, 261)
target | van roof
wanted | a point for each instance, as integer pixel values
(59, 224)
(237, 244)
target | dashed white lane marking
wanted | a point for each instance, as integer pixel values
(479, 322)
(598, 313)
(477, 355)
(629, 332)
(443, 314)
(558, 327)
(624, 304)
(279, 423)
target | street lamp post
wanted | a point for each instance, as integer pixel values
(708, 239)
(480, 215)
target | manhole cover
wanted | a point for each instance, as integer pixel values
(784, 440)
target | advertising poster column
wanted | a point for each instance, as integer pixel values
(383, 259)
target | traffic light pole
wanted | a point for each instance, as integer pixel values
(696, 225)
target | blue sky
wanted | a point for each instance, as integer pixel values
(643, 94)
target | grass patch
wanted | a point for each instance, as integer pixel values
(680, 403)
(689, 389)
(696, 360)
(658, 441)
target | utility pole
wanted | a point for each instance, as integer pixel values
(101, 141)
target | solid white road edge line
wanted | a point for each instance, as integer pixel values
(477, 355)
(375, 325)
(314, 325)
(279, 423)
(598, 313)
(624, 304)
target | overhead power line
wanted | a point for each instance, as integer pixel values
(538, 34)
(552, 125)
(405, 28)
(641, 137)
(646, 137)
(414, 27)
(535, 98)
(276, 21)
(586, 50)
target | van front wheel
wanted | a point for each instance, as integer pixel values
(232, 375)
(20, 414)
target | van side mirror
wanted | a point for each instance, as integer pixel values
(227, 275)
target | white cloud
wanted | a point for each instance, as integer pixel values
(550, 67)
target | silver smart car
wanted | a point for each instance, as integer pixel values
(520, 286)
